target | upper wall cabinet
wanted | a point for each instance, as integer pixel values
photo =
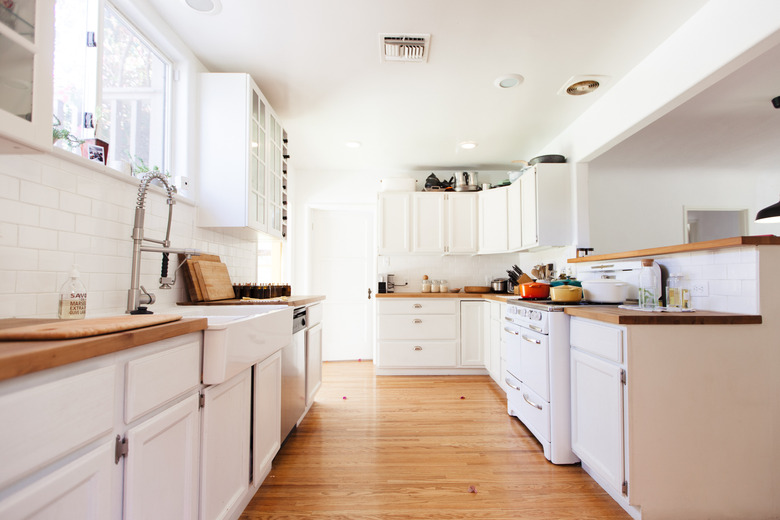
(545, 207)
(243, 159)
(26, 49)
(393, 218)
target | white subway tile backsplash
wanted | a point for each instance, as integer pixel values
(20, 305)
(743, 271)
(56, 178)
(76, 204)
(36, 282)
(39, 194)
(57, 219)
(742, 304)
(16, 212)
(717, 271)
(725, 287)
(20, 166)
(7, 282)
(73, 242)
(37, 238)
(9, 187)
(9, 234)
(17, 258)
(56, 261)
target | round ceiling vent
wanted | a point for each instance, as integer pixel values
(582, 87)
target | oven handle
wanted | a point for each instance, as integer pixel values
(531, 340)
(511, 331)
(525, 398)
(510, 385)
(534, 328)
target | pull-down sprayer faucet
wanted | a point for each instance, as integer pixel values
(137, 296)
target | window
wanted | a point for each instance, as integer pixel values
(115, 89)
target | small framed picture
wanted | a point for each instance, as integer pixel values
(96, 153)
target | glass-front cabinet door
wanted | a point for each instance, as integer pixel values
(258, 201)
(275, 178)
(25, 73)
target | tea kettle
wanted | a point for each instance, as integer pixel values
(466, 181)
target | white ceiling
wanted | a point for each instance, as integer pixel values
(317, 61)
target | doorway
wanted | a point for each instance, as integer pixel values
(713, 224)
(342, 267)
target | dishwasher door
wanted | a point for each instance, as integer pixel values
(294, 375)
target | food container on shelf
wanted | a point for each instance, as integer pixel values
(536, 290)
(604, 291)
(565, 293)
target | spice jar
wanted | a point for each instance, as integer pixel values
(435, 286)
(426, 286)
(444, 286)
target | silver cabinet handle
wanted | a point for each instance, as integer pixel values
(510, 385)
(531, 340)
(511, 331)
(537, 329)
(417, 347)
(507, 318)
(417, 320)
(417, 306)
(525, 398)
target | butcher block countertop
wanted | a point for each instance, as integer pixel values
(18, 358)
(290, 301)
(618, 316)
(499, 297)
(763, 240)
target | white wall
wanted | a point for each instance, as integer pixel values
(639, 207)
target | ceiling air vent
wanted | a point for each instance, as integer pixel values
(407, 48)
(581, 85)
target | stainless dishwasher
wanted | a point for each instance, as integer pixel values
(294, 374)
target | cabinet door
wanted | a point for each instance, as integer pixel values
(493, 221)
(268, 413)
(528, 208)
(258, 161)
(313, 362)
(473, 318)
(462, 222)
(225, 446)
(428, 222)
(493, 363)
(514, 216)
(597, 416)
(161, 472)
(81, 489)
(393, 219)
(274, 187)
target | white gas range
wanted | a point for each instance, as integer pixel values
(536, 334)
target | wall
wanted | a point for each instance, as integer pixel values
(55, 213)
(638, 207)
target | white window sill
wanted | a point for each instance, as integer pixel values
(116, 174)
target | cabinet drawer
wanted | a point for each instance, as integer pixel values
(598, 339)
(46, 422)
(529, 408)
(418, 354)
(313, 314)
(418, 306)
(156, 379)
(408, 326)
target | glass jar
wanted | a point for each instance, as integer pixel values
(444, 286)
(673, 291)
(426, 286)
(435, 286)
(648, 299)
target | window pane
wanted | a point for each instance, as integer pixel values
(16, 64)
(134, 90)
(19, 15)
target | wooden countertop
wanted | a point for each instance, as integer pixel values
(618, 316)
(24, 357)
(290, 301)
(763, 240)
(499, 297)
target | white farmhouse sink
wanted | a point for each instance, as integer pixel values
(239, 336)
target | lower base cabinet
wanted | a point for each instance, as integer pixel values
(225, 446)
(267, 415)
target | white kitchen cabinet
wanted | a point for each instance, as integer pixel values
(474, 337)
(462, 223)
(27, 43)
(493, 358)
(514, 216)
(81, 489)
(241, 156)
(267, 415)
(429, 218)
(394, 223)
(493, 221)
(162, 464)
(545, 206)
(313, 362)
(225, 453)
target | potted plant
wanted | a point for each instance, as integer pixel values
(60, 133)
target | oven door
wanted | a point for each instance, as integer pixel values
(511, 334)
(535, 366)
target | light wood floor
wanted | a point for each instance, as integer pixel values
(411, 448)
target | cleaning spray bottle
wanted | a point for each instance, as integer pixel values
(73, 298)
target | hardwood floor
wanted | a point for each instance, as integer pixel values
(413, 448)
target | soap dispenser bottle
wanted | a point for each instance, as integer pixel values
(73, 298)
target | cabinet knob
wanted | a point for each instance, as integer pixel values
(417, 320)
(417, 306)
(417, 347)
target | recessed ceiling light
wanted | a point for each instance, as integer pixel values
(508, 80)
(204, 6)
(352, 144)
(467, 145)
(581, 85)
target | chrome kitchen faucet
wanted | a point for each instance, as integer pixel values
(138, 296)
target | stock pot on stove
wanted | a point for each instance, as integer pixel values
(535, 290)
(604, 291)
(565, 293)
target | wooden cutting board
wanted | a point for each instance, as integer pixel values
(194, 285)
(214, 281)
(69, 329)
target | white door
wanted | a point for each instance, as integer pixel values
(161, 472)
(493, 221)
(342, 269)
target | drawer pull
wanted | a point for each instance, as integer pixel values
(417, 306)
(417, 320)
(417, 348)
(531, 340)
(533, 327)
(525, 398)
(510, 385)
(511, 331)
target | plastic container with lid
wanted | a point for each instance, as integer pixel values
(647, 290)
